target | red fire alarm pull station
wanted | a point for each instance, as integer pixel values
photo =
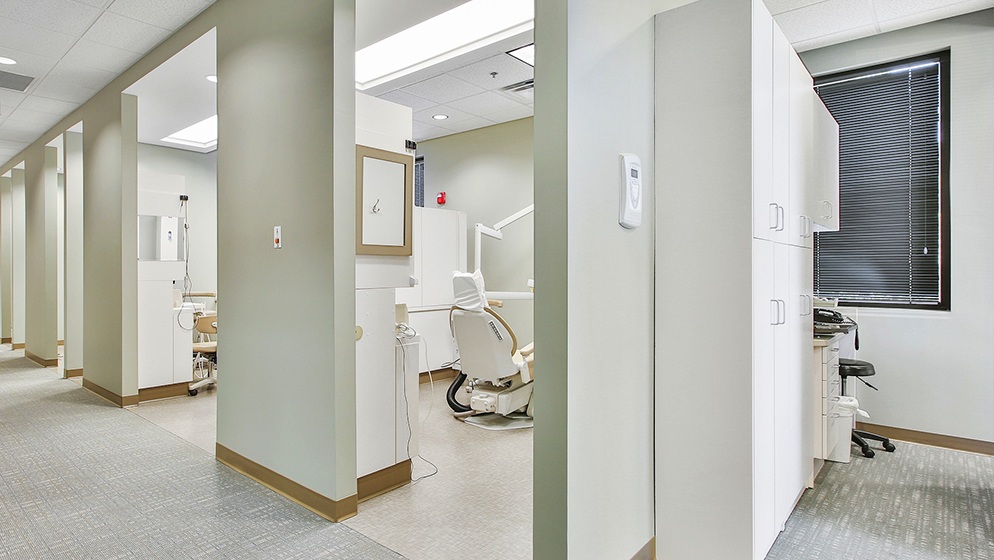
(440, 199)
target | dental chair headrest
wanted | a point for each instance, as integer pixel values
(469, 291)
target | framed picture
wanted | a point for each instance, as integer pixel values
(384, 202)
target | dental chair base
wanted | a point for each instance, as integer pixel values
(500, 400)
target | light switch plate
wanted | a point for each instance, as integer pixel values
(277, 237)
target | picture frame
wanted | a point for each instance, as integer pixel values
(384, 202)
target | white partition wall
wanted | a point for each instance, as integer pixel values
(41, 292)
(73, 326)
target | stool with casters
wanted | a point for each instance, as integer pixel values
(860, 369)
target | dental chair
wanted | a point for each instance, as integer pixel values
(500, 376)
(204, 351)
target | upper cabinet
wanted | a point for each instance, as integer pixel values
(824, 208)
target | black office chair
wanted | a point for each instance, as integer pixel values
(860, 369)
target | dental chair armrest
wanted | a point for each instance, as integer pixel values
(528, 349)
(527, 368)
(498, 303)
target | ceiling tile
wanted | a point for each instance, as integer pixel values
(62, 16)
(97, 3)
(835, 38)
(484, 103)
(402, 97)
(171, 15)
(825, 18)
(422, 131)
(48, 105)
(125, 33)
(425, 116)
(467, 124)
(62, 89)
(894, 9)
(101, 57)
(10, 99)
(10, 145)
(900, 14)
(442, 89)
(80, 75)
(33, 39)
(508, 115)
(33, 117)
(779, 6)
(17, 134)
(509, 70)
(28, 64)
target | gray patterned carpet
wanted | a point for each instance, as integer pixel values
(919, 503)
(80, 478)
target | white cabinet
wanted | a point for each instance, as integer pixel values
(824, 208)
(165, 334)
(721, 147)
(439, 249)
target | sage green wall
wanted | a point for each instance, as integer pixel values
(594, 313)
(488, 173)
(41, 310)
(286, 327)
(6, 248)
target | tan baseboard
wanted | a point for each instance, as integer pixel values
(439, 375)
(6, 340)
(74, 373)
(62, 343)
(647, 552)
(113, 398)
(937, 440)
(19, 345)
(332, 510)
(163, 392)
(41, 361)
(383, 481)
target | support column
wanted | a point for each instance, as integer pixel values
(6, 248)
(286, 409)
(110, 243)
(17, 252)
(73, 350)
(41, 274)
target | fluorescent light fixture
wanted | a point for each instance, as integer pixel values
(212, 78)
(439, 117)
(465, 28)
(7, 61)
(201, 135)
(525, 54)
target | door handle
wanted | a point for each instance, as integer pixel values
(780, 218)
(774, 312)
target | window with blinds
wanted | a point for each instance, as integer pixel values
(892, 249)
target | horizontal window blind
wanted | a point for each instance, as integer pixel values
(889, 247)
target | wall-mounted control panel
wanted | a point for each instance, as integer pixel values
(630, 215)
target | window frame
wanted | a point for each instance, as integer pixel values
(945, 266)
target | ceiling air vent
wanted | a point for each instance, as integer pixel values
(16, 82)
(524, 91)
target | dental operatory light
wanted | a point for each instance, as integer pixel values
(212, 78)
(525, 54)
(439, 117)
(200, 135)
(7, 61)
(465, 28)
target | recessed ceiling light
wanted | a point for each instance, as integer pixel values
(200, 135)
(7, 61)
(525, 54)
(439, 117)
(212, 78)
(462, 29)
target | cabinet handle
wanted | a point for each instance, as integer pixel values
(774, 216)
(774, 312)
(782, 311)
(780, 218)
(810, 227)
(830, 207)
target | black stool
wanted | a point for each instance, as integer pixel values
(860, 369)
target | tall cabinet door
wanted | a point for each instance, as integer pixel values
(824, 208)
(801, 152)
(766, 318)
(769, 212)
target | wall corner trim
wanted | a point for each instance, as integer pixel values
(113, 398)
(74, 373)
(332, 510)
(384, 480)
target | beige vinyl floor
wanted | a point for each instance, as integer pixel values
(478, 505)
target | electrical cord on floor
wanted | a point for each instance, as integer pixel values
(404, 333)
